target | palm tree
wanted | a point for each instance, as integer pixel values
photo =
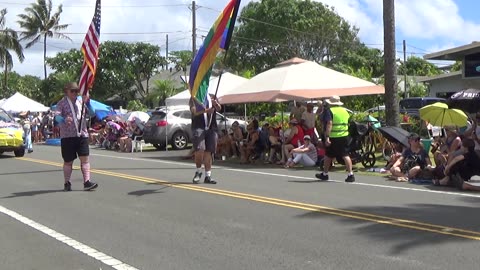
(39, 22)
(8, 41)
(391, 104)
(162, 90)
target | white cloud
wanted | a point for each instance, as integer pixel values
(432, 23)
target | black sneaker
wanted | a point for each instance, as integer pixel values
(350, 178)
(209, 180)
(67, 186)
(322, 176)
(89, 185)
(197, 177)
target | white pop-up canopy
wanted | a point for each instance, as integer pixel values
(2, 101)
(20, 103)
(299, 79)
(228, 82)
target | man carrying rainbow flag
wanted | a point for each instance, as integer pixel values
(202, 105)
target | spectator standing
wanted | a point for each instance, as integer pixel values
(336, 120)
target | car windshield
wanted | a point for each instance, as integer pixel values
(5, 117)
(411, 103)
(157, 115)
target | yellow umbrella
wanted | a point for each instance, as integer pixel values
(438, 114)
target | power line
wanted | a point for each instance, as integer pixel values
(104, 6)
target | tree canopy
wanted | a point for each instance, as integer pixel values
(122, 67)
(271, 31)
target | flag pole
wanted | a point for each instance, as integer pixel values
(89, 50)
(226, 47)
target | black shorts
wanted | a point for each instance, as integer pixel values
(73, 147)
(338, 147)
(205, 140)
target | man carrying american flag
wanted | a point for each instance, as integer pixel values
(73, 131)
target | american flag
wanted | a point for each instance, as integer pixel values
(90, 52)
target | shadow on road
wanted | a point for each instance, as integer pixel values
(165, 185)
(306, 181)
(143, 192)
(33, 193)
(404, 239)
(44, 171)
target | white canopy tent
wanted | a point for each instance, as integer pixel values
(20, 103)
(2, 101)
(228, 82)
(299, 79)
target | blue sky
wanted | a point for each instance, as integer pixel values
(426, 25)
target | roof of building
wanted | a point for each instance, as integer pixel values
(441, 76)
(454, 54)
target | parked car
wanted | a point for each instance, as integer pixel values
(11, 135)
(412, 105)
(375, 109)
(173, 126)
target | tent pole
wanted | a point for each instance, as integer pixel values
(166, 128)
(245, 112)
(283, 132)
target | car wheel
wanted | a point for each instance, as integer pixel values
(179, 140)
(19, 153)
(158, 146)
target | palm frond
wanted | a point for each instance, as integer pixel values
(3, 12)
(35, 40)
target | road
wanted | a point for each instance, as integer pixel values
(146, 214)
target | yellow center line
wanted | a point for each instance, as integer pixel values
(405, 223)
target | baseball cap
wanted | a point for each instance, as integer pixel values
(414, 136)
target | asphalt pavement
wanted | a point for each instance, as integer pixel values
(146, 214)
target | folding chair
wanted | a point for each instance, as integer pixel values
(137, 143)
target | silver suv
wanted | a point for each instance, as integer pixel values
(174, 125)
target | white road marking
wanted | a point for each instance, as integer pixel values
(91, 252)
(462, 194)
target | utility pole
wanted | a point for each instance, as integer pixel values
(392, 109)
(166, 52)
(194, 29)
(405, 92)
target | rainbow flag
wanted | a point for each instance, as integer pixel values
(218, 39)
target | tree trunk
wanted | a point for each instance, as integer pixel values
(391, 104)
(5, 82)
(45, 55)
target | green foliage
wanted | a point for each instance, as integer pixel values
(276, 120)
(416, 89)
(121, 68)
(136, 105)
(416, 66)
(363, 102)
(255, 109)
(457, 66)
(8, 42)
(362, 62)
(307, 29)
(162, 90)
(181, 60)
(27, 85)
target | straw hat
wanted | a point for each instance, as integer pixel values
(334, 100)
(71, 86)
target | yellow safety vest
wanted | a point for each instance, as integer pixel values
(339, 122)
